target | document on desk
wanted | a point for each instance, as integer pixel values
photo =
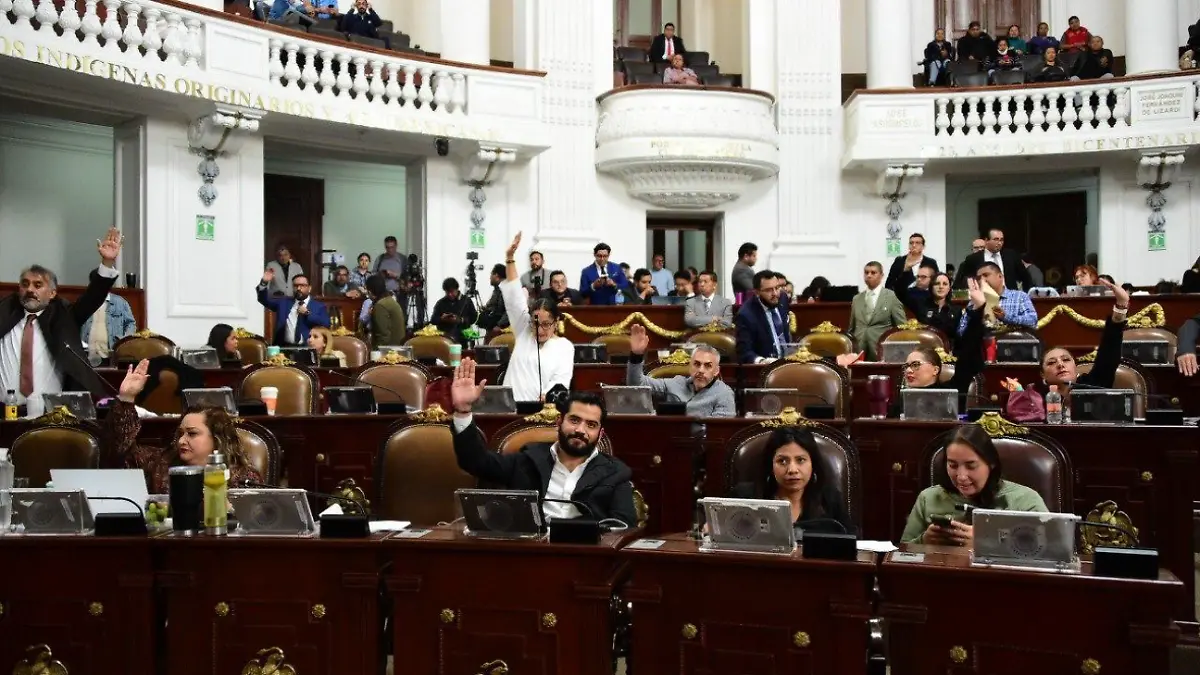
(412, 534)
(388, 525)
(647, 544)
(876, 546)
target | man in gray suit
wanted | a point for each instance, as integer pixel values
(743, 271)
(286, 270)
(873, 311)
(706, 306)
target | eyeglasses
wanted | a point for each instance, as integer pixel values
(544, 325)
(915, 365)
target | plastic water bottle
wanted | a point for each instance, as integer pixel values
(216, 490)
(10, 406)
(1054, 406)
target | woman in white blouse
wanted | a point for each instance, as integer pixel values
(540, 359)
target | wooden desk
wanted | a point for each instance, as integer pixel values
(1149, 471)
(79, 596)
(226, 598)
(699, 612)
(460, 602)
(946, 616)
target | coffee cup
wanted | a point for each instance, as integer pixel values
(269, 396)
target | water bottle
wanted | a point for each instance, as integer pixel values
(1054, 406)
(10, 406)
(7, 474)
(216, 489)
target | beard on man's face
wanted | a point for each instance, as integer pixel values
(31, 303)
(576, 444)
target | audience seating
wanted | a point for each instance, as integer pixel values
(927, 336)
(409, 379)
(827, 382)
(720, 81)
(355, 348)
(368, 41)
(628, 54)
(614, 345)
(1028, 457)
(975, 79)
(141, 345)
(1130, 375)
(1003, 77)
(297, 387)
(417, 474)
(696, 59)
(634, 67)
(60, 441)
(262, 449)
(723, 341)
(745, 463)
(828, 344)
(330, 33)
(430, 346)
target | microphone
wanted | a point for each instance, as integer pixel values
(824, 521)
(583, 508)
(108, 386)
(120, 524)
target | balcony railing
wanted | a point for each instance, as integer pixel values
(195, 52)
(1064, 118)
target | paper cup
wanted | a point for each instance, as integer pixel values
(272, 351)
(455, 355)
(376, 355)
(269, 396)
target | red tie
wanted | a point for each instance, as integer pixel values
(670, 48)
(27, 355)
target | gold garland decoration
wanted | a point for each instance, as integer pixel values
(792, 323)
(622, 327)
(1150, 316)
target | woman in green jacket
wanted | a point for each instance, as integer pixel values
(971, 475)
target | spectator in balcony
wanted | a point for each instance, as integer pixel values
(1015, 41)
(280, 8)
(1076, 37)
(664, 47)
(1005, 58)
(679, 73)
(1039, 43)
(938, 55)
(1051, 70)
(362, 21)
(328, 9)
(976, 45)
(1096, 62)
(339, 286)
(360, 274)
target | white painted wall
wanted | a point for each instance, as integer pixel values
(56, 195)
(728, 36)
(1123, 214)
(502, 30)
(364, 203)
(854, 36)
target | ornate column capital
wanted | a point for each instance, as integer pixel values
(1155, 171)
(216, 134)
(485, 165)
(896, 177)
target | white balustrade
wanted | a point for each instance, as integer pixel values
(1083, 107)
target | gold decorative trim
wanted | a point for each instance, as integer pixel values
(958, 654)
(506, 329)
(341, 331)
(278, 360)
(320, 458)
(549, 620)
(145, 333)
(96, 608)
(446, 616)
(60, 416)
(911, 324)
(689, 631)
(353, 498)
(1, 609)
(497, 667)
(1090, 667)
(240, 333)
(801, 639)
(676, 358)
(269, 661)
(1150, 316)
(995, 425)
(1147, 477)
(790, 417)
(622, 327)
(641, 508)
(945, 356)
(393, 358)
(825, 327)
(1089, 357)
(317, 611)
(1108, 513)
(714, 326)
(433, 414)
(802, 355)
(221, 609)
(547, 415)
(39, 660)
(429, 331)
(792, 323)
(897, 467)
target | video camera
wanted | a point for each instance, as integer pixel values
(413, 272)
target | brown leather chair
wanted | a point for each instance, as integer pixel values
(262, 449)
(417, 474)
(677, 363)
(430, 346)
(166, 398)
(825, 381)
(508, 339)
(912, 331)
(297, 387)
(975, 392)
(744, 461)
(57, 441)
(141, 345)
(252, 348)
(1130, 375)
(1156, 334)
(723, 341)
(1028, 457)
(356, 350)
(828, 345)
(614, 345)
(539, 428)
(410, 379)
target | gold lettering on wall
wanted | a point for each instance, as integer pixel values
(978, 149)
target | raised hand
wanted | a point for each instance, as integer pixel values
(1120, 295)
(464, 392)
(268, 275)
(109, 247)
(639, 341)
(846, 360)
(134, 382)
(976, 293)
(512, 248)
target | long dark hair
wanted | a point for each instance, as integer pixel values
(814, 289)
(216, 339)
(822, 492)
(974, 437)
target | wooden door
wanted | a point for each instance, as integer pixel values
(632, 17)
(684, 242)
(293, 211)
(995, 15)
(1050, 227)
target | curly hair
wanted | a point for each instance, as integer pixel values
(223, 428)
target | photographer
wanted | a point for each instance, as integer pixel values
(493, 314)
(453, 312)
(536, 279)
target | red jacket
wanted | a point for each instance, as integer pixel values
(1075, 38)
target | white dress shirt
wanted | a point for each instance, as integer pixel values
(873, 297)
(996, 259)
(292, 320)
(529, 379)
(46, 378)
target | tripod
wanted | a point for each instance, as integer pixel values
(414, 306)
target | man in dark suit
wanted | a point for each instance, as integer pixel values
(559, 294)
(362, 21)
(762, 324)
(1007, 259)
(37, 328)
(571, 470)
(666, 45)
(600, 283)
(295, 317)
(904, 267)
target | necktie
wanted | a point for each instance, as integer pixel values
(871, 300)
(27, 355)
(778, 323)
(670, 48)
(707, 304)
(296, 337)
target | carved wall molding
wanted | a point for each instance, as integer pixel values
(1155, 172)
(219, 133)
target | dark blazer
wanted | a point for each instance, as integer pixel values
(317, 315)
(604, 486)
(754, 331)
(463, 309)
(575, 296)
(365, 25)
(1104, 368)
(60, 325)
(835, 509)
(943, 318)
(899, 278)
(1014, 270)
(659, 47)
(606, 295)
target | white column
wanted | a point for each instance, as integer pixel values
(424, 24)
(1055, 13)
(697, 25)
(1189, 12)
(1150, 37)
(759, 48)
(890, 56)
(466, 31)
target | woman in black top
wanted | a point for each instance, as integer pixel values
(796, 472)
(937, 311)
(223, 339)
(923, 368)
(1052, 70)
